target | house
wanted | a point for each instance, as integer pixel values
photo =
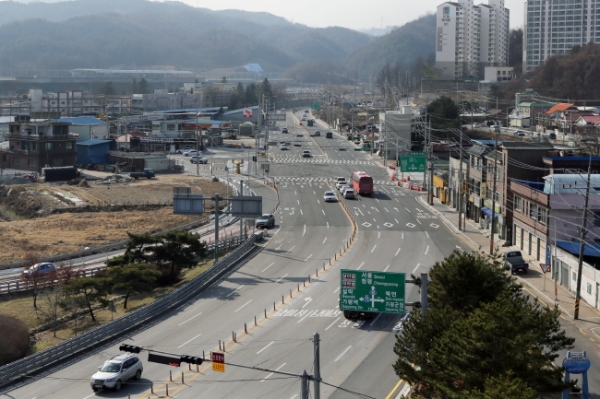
(93, 152)
(35, 145)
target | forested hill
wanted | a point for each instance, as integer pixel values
(403, 45)
(140, 33)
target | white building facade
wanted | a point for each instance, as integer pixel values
(471, 37)
(556, 26)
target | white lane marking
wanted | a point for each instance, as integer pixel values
(270, 374)
(358, 268)
(427, 234)
(295, 192)
(331, 325)
(396, 199)
(263, 270)
(308, 314)
(308, 300)
(387, 267)
(243, 306)
(290, 250)
(324, 240)
(407, 209)
(323, 211)
(278, 248)
(418, 264)
(187, 342)
(386, 209)
(191, 318)
(397, 221)
(304, 232)
(336, 290)
(426, 250)
(87, 397)
(309, 256)
(398, 251)
(281, 278)
(342, 354)
(269, 344)
(314, 192)
(294, 397)
(298, 202)
(376, 199)
(302, 213)
(403, 236)
(318, 202)
(419, 221)
(379, 234)
(374, 248)
(327, 224)
(233, 292)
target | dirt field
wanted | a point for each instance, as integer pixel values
(44, 219)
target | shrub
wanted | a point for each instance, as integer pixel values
(15, 339)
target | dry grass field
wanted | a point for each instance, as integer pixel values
(91, 214)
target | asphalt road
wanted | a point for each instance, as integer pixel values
(394, 234)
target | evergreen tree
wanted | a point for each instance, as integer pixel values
(251, 95)
(132, 278)
(443, 113)
(107, 89)
(134, 87)
(143, 87)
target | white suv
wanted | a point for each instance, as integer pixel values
(116, 371)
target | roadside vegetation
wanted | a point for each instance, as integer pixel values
(482, 337)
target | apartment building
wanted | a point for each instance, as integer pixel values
(556, 26)
(77, 103)
(471, 37)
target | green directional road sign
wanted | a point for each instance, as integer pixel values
(368, 291)
(413, 162)
(316, 106)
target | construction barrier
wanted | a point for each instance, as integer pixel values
(410, 186)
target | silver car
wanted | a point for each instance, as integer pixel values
(116, 371)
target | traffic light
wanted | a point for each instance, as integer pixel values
(130, 348)
(253, 158)
(191, 359)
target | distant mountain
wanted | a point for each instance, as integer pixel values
(378, 31)
(404, 45)
(140, 33)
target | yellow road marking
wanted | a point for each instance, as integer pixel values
(394, 389)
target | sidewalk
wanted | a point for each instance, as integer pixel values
(535, 282)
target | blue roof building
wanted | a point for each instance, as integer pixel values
(93, 152)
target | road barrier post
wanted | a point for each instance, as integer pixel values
(282, 300)
(233, 336)
(167, 390)
(317, 272)
(151, 387)
(170, 376)
(255, 323)
(266, 314)
(245, 328)
(182, 379)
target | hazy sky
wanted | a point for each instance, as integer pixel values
(353, 14)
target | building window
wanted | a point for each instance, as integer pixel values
(49, 146)
(574, 276)
(589, 288)
(170, 127)
(519, 204)
(69, 145)
(34, 146)
(16, 161)
(31, 162)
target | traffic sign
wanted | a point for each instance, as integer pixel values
(545, 267)
(316, 106)
(218, 361)
(413, 162)
(368, 291)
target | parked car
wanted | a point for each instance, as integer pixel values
(284, 130)
(39, 270)
(265, 221)
(349, 193)
(303, 119)
(514, 260)
(520, 133)
(116, 371)
(476, 125)
(147, 173)
(552, 136)
(329, 196)
(341, 181)
(198, 159)
(184, 149)
(191, 153)
(328, 135)
(297, 144)
(306, 154)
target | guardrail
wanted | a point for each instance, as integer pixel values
(11, 286)
(101, 335)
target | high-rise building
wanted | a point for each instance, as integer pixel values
(556, 26)
(471, 37)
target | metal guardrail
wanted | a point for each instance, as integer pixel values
(40, 361)
(11, 286)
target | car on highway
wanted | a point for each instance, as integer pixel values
(44, 269)
(317, 134)
(297, 144)
(284, 148)
(343, 188)
(340, 181)
(285, 130)
(306, 111)
(306, 154)
(265, 221)
(303, 119)
(349, 194)
(198, 159)
(520, 133)
(115, 371)
(328, 135)
(191, 153)
(329, 196)
(552, 136)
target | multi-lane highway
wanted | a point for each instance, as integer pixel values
(394, 234)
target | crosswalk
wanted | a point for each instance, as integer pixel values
(323, 161)
(302, 180)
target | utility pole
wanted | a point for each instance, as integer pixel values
(582, 242)
(317, 366)
(216, 199)
(460, 179)
(494, 196)
(430, 158)
(304, 386)
(241, 217)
